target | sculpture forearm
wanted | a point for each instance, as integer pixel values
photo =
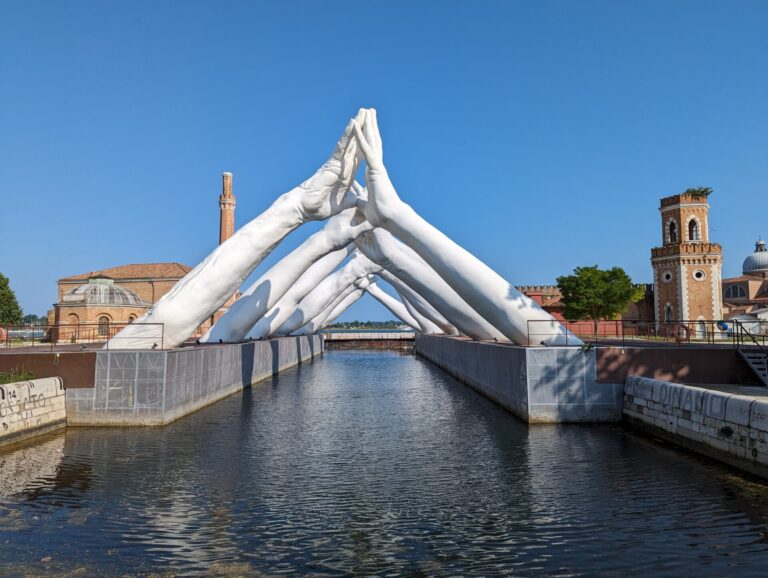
(260, 297)
(208, 286)
(328, 290)
(383, 248)
(395, 307)
(420, 304)
(287, 304)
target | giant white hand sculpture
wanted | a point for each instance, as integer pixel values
(429, 318)
(330, 289)
(381, 247)
(395, 307)
(481, 287)
(260, 297)
(208, 286)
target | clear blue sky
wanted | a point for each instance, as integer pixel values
(539, 135)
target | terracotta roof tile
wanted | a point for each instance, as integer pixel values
(742, 278)
(137, 271)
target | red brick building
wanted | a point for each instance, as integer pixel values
(95, 305)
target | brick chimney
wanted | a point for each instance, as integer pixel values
(227, 208)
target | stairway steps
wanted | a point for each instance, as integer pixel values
(758, 362)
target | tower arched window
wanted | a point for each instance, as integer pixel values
(668, 314)
(693, 230)
(673, 232)
(103, 326)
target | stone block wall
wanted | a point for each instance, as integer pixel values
(731, 428)
(30, 408)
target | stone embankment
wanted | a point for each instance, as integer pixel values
(730, 425)
(30, 408)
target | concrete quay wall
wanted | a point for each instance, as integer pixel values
(158, 387)
(728, 427)
(537, 384)
(30, 408)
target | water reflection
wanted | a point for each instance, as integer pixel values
(21, 467)
(365, 463)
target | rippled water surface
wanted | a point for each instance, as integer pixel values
(372, 463)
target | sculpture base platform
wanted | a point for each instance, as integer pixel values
(537, 384)
(142, 388)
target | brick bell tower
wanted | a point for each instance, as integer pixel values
(227, 203)
(687, 267)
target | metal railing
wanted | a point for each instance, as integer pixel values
(623, 331)
(83, 336)
(743, 337)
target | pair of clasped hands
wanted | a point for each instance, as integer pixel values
(333, 189)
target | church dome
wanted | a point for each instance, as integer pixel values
(103, 292)
(757, 261)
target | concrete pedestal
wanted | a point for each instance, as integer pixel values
(537, 384)
(158, 387)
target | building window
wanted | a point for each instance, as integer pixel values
(735, 292)
(103, 326)
(668, 315)
(699, 275)
(131, 318)
(673, 232)
(693, 230)
(666, 276)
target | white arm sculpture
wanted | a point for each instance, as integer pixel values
(328, 291)
(382, 248)
(342, 302)
(260, 297)
(395, 307)
(426, 325)
(341, 307)
(480, 286)
(208, 286)
(282, 310)
(420, 305)
(330, 314)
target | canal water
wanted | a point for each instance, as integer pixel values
(372, 463)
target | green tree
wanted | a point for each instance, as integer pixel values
(698, 192)
(31, 319)
(10, 312)
(595, 294)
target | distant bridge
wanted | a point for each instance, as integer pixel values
(369, 339)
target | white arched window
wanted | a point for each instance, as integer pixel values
(668, 315)
(103, 325)
(673, 232)
(694, 234)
